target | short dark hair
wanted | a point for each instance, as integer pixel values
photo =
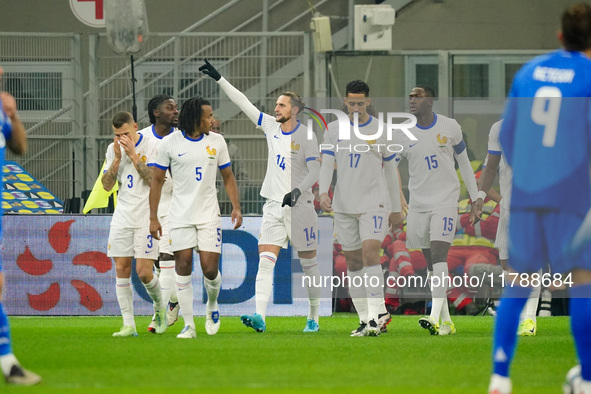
(429, 91)
(576, 27)
(121, 118)
(357, 86)
(155, 103)
(190, 115)
(295, 100)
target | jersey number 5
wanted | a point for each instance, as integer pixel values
(545, 111)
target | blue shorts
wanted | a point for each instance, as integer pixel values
(537, 237)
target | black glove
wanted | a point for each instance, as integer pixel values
(291, 198)
(210, 70)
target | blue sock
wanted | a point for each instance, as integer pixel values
(5, 346)
(505, 337)
(580, 312)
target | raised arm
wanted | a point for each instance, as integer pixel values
(234, 94)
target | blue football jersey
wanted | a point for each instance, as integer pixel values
(546, 133)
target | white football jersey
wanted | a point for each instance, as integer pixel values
(505, 171)
(166, 196)
(433, 181)
(133, 209)
(361, 183)
(193, 165)
(288, 155)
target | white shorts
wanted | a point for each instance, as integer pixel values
(165, 237)
(205, 237)
(352, 229)
(436, 225)
(298, 224)
(132, 242)
(502, 238)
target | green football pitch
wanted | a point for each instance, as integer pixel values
(78, 354)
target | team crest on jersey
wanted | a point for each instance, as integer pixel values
(441, 140)
(211, 152)
(371, 142)
(294, 147)
(143, 158)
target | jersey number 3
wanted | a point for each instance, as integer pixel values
(545, 111)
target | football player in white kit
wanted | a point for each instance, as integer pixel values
(367, 187)
(129, 234)
(434, 192)
(164, 114)
(496, 161)
(193, 156)
(288, 214)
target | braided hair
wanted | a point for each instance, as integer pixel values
(155, 103)
(190, 115)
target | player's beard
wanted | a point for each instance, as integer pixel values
(283, 119)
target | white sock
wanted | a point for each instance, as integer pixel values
(6, 363)
(125, 299)
(167, 281)
(584, 387)
(358, 293)
(374, 291)
(501, 383)
(155, 293)
(546, 303)
(264, 282)
(212, 287)
(184, 288)
(311, 271)
(445, 316)
(439, 292)
(382, 308)
(531, 306)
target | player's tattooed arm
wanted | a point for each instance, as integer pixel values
(144, 171)
(110, 177)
